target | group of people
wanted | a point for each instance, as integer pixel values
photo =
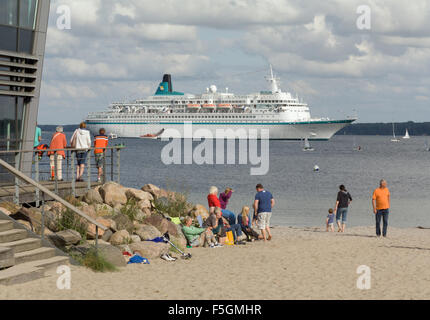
(380, 205)
(214, 230)
(81, 143)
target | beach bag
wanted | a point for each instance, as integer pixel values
(229, 238)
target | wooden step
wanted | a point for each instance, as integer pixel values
(23, 244)
(35, 254)
(6, 225)
(12, 235)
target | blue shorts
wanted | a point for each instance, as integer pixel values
(81, 157)
(341, 214)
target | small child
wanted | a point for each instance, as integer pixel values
(330, 220)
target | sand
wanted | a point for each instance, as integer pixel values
(299, 263)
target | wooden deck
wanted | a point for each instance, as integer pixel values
(27, 193)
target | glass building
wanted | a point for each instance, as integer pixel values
(23, 26)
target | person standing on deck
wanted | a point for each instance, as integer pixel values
(100, 143)
(58, 141)
(37, 137)
(381, 206)
(263, 205)
(81, 140)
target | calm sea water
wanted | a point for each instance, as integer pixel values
(302, 196)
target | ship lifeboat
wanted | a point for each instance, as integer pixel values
(209, 106)
(224, 106)
(193, 106)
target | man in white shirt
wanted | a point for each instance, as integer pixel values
(81, 139)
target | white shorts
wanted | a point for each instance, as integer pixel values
(263, 220)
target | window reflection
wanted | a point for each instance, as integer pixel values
(9, 12)
(27, 9)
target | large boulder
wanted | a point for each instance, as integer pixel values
(92, 197)
(162, 224)
(144, 204)
(138, 195)
(65, 238)
(155, 191)
(199, 210)
(103, 209)
(123, 222)
(135, 238)
(57, 208)
(113, 194)
(149, 249)
(89, 210)
(113, 255)
(147, 232)
(142, 214)
(120, 237)
(107, 235)
(91, 230)
(9, 206)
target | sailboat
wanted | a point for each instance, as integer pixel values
(406, 136)
(307, 146)
(394, 139)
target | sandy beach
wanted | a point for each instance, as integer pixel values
(299, 263)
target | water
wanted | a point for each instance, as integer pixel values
(302, 196)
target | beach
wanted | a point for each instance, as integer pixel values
(299, 263)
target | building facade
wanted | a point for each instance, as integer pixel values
(23, 27)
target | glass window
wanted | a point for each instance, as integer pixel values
(8, 36)
(25, 41)
(9, 12)
(27, 16)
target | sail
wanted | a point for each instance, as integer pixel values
(406, 135)
(307, 145)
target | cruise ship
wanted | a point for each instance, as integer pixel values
(168, 114)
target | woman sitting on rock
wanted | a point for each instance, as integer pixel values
(198, 237)
(213, 201)
(245, 222)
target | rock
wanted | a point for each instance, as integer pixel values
(108, 223)
(135, 238)
(103, 209)
(124, 248)
(92, 197)
(142, 214)
(10, 207)
(107, 235)
(155, 191)
(147, 232)
(123, 222)
(27, 224)
(138, 195)
(144, 204)
(120, 237)
(199, 210)
(113, 194)
(91, 231)
(57, 208)
(89, 210)
(162, 224)
(149, 249)
(112, 254)
(179, 241)
(65, 238)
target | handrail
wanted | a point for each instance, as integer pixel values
(22, 176)
(65, 149)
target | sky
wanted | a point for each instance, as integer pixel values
(118, 50)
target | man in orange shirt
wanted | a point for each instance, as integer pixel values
(381, 206)
(58, 141)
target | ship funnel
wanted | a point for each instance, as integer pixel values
(168, 78)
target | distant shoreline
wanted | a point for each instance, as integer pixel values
(364, 129)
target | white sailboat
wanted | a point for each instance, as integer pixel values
(394, 139)
(406, 136)
(307, 146)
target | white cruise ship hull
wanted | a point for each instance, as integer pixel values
(313, 129)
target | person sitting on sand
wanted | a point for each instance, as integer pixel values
(263, 205)
(213, 201)
(245, 222)
(225, 196)
(330, 220)
(213, 223)
(198, 237)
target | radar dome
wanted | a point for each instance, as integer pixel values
(212, 88)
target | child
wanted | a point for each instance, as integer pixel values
(330, 220)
